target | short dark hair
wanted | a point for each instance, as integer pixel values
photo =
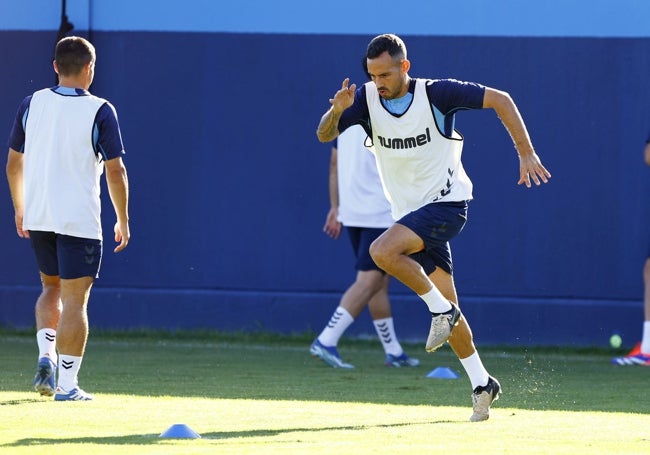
(364, 65)
(72, 54)
(387, 42)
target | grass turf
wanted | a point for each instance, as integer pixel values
(247, 393)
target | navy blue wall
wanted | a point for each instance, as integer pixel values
(229, 183)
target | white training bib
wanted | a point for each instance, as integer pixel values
(362, 202)
(61, 171)
(417, 163)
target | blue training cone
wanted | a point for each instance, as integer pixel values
(178, 431)
(443, 373)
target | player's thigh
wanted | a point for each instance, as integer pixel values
(76, 291)
(397, 239)
(78, 257)
(50, 281)
(364, 237)
(45, 251)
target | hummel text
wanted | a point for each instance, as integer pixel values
(406, 142)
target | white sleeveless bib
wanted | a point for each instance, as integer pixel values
(417, 164)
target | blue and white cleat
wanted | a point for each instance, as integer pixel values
(401, 361)
(45, 376)
(328, 354)
(75, 394)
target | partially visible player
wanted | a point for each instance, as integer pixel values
(640, 354)
(357, 201)
(62, 139)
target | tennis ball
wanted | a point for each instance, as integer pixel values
(615, 341)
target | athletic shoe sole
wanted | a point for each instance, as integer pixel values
(44, 379)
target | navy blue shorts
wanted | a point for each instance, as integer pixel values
(361, 238)
(436, 224)
(66, 256)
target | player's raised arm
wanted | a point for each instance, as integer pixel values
(343, 99)
(530, 166)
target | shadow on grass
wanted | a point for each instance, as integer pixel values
(147, 439)
(21, 401)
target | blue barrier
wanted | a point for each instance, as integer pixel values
(229, 188)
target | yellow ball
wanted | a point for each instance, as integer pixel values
(615, 341)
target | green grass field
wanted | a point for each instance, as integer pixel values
(248, 394)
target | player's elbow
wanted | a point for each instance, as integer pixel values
(497, 99)
(115, 171)
(322, 137)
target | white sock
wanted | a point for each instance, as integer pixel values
(645, 341)
(46, 340)
(337, 325)
(477, 373)
(68, 370)
(386, 331)
(436, 301)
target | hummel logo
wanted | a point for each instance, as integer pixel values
(335, 318)
(50, 336)
(445, 191)
(90, 254)
(405, 142)
(67, 364)
(384, 332)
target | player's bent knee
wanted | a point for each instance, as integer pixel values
(378, 254)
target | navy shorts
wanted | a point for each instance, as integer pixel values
(436, 224)
(361, 238)
(66, 256)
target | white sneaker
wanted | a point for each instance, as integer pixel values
(441, 327)
(75, 394)
(483, 397)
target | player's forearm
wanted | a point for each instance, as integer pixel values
(647, 154)
(333, 181)
(15, 178)
(118, 189)
(518, 132)
(328, 128)
(509, 115)
(334, 192)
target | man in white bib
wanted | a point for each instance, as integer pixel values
(358, 202)
(412, 126)
(62, 139)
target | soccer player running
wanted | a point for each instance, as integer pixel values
(412, 126)
(640, 353)
(61, 140)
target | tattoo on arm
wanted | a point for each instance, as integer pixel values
(328, 128)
